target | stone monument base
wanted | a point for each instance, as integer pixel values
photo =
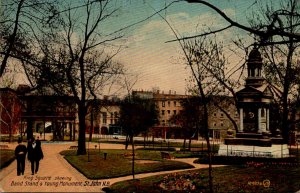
(273, 151)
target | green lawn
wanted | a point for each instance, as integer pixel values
(276, 178)
(117, 164)
(6, 157)
(157, 144)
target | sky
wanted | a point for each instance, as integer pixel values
(159, 64)
(146, 54)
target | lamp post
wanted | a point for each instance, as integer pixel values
(89, 151)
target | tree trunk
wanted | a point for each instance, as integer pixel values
(144, 139)
(10, 133)
(133, 158)
(190, 142)
(285, 127)
(81, 136)
(71, 127)
(92, 125)
(12, 38)
(29, 130)
(184, 141)
(209, 150)
(127, 141)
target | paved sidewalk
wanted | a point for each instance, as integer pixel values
(56, 175)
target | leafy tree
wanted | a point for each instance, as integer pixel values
(190, 118)
(136, 115)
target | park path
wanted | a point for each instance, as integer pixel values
(57, 175)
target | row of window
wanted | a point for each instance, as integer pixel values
(112, 121)
(223, 115)
(163, 112)
(163, 103)
(113, 117)
(216, 125)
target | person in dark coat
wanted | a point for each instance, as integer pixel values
(20, 153)
(35, 154)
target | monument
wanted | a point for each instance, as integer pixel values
(254, 138)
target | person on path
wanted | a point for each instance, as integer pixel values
(35, 154)
(20, 153)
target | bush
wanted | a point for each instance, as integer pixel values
(157, 149)
(6, 157)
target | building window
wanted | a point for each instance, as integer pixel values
(163, 103)
(222, 115)
(214, 124)
(174, 103)
(163, 112)
(174, 112)
(163, 122)
(215, 114)
(104, 120)
(169, 103)
(169, 112)
(222, 124)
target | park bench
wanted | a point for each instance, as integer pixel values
(166, 155)
(4, 147)
(129, 154)
(73, 147)
(198, 149)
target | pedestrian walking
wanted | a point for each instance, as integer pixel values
(35, 154)
(20, 153)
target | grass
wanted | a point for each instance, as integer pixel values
(94, 166)
(157, 144)
(226, 179)
(283, 175)
(6, 157)
(5, 138)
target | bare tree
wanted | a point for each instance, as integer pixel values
(10, 111)
(19, 22)
(277, 32)
(282, 60)
(74, 58)
(266, 32)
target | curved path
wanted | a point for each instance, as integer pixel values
(56, 175)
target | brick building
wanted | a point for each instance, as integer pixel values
(10, 111)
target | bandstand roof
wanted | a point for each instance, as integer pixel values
(263, 91)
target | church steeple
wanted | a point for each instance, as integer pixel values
(254, 65)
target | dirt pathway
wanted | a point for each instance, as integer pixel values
(56, 175)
